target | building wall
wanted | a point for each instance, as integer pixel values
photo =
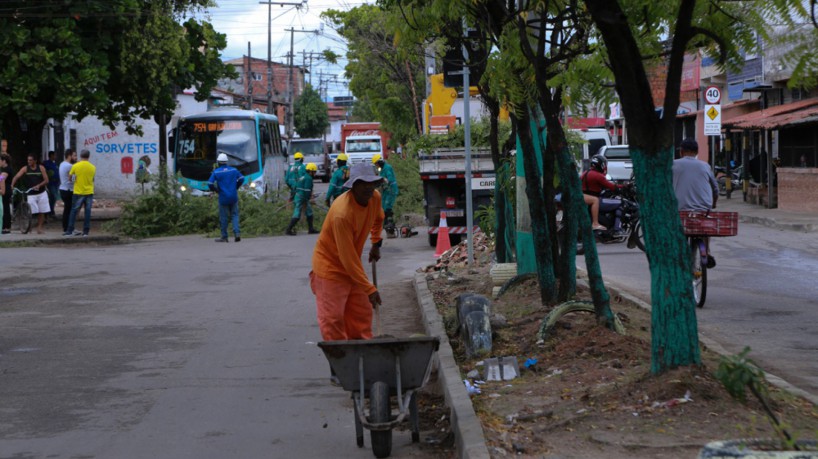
(798, 189)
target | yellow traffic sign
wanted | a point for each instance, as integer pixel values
(713, 113)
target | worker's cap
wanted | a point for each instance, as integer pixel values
(222, 158)
(362, 171)
(689, 145)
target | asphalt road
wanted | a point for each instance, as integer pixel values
(174, 348)
(761, 294)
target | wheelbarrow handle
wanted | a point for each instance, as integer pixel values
(377, 306)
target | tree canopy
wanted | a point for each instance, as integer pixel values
(311, 118)
(119, 60)
(385, 74)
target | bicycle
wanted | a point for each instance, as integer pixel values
(697, 227)
(21, 215)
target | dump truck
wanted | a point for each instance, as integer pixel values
(361, 141)
(443, 172)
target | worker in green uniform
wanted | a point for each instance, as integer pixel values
(294, 173)
(389, 190)
(339, 177)
(303, 195)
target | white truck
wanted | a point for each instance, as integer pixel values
(443, 172)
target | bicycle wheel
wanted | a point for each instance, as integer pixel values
(699, 271)
(22, 217)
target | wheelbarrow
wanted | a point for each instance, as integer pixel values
(379, 369)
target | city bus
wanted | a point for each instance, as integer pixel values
(250, 139)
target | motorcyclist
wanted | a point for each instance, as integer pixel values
(593, 183)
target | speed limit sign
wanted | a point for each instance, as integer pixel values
(712, 95)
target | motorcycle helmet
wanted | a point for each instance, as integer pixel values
(599, 163)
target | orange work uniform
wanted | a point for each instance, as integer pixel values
(338, 279)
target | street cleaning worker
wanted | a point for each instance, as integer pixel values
(303, 196)
(294, 173)
(389, 189)
(344, 296)
(339, 177)
(225, 181)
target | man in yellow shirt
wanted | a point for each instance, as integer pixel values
(344, 296)
(82, 174)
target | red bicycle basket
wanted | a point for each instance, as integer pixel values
(697, 223)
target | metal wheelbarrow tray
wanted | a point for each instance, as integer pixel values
(379, 368)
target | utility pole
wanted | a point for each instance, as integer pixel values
(249, 78)
(290, 90)
(270, 48)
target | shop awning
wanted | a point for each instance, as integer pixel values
(801, 112)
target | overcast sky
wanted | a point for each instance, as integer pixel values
(245, 21)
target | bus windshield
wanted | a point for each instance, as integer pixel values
(364, 146)
(201, 141)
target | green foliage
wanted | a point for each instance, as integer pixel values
(485, 218)
(311, 118)
(116, 59)
(385, 73)
(738, 372)
(165, 210)
(479, 137)
(410, 187)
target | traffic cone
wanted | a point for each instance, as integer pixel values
(443, 242)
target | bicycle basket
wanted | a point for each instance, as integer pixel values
(697, 223)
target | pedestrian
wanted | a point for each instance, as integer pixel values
(399, 151)
(344, 296)
(67, 186)
(225, 181)
(303, 199)
(35, 180)
(294, 173)
(6, 169)
(82, 174)
(3, 176)
(53, 172)
(694, 184)
(389, 189)
(143, 171)
(339, 177)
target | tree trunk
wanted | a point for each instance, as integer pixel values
(502, 248)
(536, 206)
(674, 331)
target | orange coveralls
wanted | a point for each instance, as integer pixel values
(338, 279)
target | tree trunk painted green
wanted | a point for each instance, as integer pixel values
(674, 331)
(536, 207)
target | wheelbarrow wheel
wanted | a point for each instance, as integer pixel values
(380, 412)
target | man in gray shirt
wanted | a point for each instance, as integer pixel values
(694, 184)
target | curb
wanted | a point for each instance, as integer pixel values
(468, 432)
(772, 223)
(713, 345)
(61, 241)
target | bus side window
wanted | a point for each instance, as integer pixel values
(264, 130)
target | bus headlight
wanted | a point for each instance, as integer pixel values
(253, 185)
(183, 188)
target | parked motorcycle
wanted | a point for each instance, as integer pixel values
(736, 180)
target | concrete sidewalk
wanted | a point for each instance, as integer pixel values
(772, 218)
